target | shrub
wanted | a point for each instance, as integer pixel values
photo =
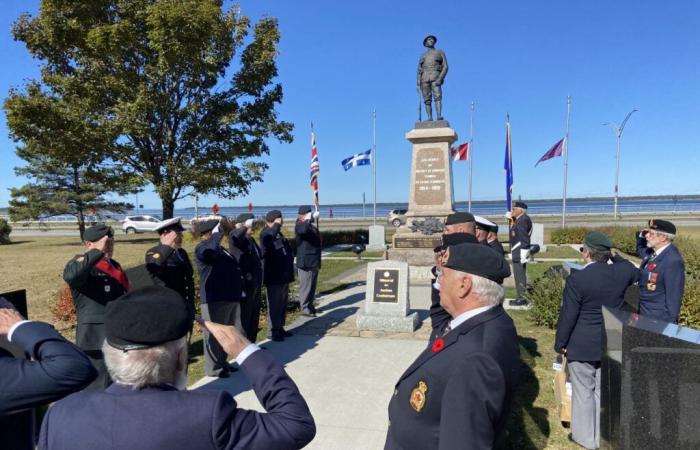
(690, 306)
(569, 235)
(64, 308)
(5, 230)
(333, 237)
(545, 295)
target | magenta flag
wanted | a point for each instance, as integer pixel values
(556, 150)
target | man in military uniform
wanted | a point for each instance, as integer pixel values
(492, 240)
(278, 272)
(457, 393)
(662, 272)
(95, 280)
(249, 256)
(520, 231)
(483, 227)
(308, 240)
(168, 263)
(432, 68)
(220, 293)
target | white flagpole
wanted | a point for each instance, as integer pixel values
(374, 163)
(566, 160)
(470, 152)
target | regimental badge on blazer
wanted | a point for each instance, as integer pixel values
(417, 399)
(156, 255)
(651, 282)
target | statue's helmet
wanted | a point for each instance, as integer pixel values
(425, 40)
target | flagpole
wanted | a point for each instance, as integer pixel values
(470, 152)
(566, 160)
(374, 163)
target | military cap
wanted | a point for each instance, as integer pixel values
(146, 317)
(243, 217)
(169, 225)
(425, 39)
(494, 228)
(97, 232)
(597, 241)
(476, 259)
(207, 225)
(662, 225)
(459, 217)
(519, 204)
(458, 238)
(304, 209)
(272, 215)
(483, 223)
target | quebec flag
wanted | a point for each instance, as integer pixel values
(359, 159)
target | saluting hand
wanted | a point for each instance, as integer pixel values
(8, 316)
(230, 339)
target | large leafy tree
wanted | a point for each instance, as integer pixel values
(156, 89)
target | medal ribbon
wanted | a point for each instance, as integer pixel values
(105, 267)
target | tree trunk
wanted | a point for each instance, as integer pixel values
(168, 208)
(79, 203)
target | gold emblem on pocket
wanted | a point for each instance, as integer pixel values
(417, 399)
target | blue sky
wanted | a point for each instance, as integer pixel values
(340, 60)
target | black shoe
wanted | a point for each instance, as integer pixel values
(277, 338)
(286, 333)
(518, 302)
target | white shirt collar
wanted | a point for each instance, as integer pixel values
(460, 319)
(658, 252)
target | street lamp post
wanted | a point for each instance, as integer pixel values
(618, 135)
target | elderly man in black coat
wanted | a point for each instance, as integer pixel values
(308, 240)
(602, 281)
(56, 369)
(457, 393)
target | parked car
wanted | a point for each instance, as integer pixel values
(396, 217)
(139, 224)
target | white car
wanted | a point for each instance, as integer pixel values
(139, 224)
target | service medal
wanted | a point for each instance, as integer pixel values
(417, 399)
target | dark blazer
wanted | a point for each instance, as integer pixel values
(308, 240)
(92, 289)
(278, 257)
(469, 386)
(580, 327)
(219, 274)
(520, 233)
(661, 282)
(161, 417)
(58, 369)
(172, 268)
(249, 257)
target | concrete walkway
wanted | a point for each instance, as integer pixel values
(347, 377)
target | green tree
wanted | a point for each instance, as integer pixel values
(157, 90)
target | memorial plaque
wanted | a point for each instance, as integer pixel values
(430, 179)
(417, 241)
(386, 286)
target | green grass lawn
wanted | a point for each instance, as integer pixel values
(559, 251)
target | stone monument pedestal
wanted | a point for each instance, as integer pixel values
(387, 305)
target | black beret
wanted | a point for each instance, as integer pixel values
(304, 209)
(597, 241)
(243, 217)
(272, 215)
(477, 259)
(97, 232)
(146, 317)
(207, 225)
(459, 217)
(662, 225)
(519, 204)
(458, 238)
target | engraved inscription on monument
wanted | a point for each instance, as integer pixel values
(386, 286)
(430, 176)
(417, 241)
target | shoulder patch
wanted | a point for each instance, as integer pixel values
(80, 259)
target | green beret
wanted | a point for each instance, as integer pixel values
(97, 232)
(477, 259)
(146, 317)
(597, 241)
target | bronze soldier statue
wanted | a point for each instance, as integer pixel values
(432, 68)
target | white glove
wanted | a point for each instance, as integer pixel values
(316, 214)
(249, 223)
(239, 225)
(307, 216)
(508, 215)
(524, 255)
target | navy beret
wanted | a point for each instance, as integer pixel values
(662, 225)
(304, 209)
(459, 217)
(519, 204)
(458, 238)
(146, 317)
(97, 232)
(243, 217)
(477, 259)
(207, 225)
(272, 215)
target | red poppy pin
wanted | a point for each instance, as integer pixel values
(438, 345)
(651, 266)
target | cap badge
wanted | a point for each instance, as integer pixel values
(417, 399)
(445, 256)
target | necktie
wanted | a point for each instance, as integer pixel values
(447, 329)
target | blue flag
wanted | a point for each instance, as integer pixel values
(508, 166)
(359, 159)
